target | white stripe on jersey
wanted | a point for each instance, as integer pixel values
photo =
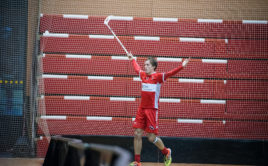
(163, 77)
(157, 94)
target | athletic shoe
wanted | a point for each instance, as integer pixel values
(135, 163)
(167, 158)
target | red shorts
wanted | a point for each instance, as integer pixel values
(147, 119)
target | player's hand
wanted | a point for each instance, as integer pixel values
(185, 62)
(130, 56)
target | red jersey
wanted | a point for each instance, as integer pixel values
(151, 85)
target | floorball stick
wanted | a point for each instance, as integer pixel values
(106, 22)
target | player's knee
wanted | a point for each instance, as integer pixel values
(151, 138)
(138, 133)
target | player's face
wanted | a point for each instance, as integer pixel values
(149, 69)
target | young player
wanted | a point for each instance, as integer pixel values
(147, 114)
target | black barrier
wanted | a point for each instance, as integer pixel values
(192, 150)
(106, 155)
(76, 154)
(73, 152)
(57, 151)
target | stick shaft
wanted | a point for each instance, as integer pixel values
(124, 48)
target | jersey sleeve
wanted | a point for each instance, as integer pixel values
(136, 66)
(161, 77)
(172, 72)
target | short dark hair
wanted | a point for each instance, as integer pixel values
(153, 62)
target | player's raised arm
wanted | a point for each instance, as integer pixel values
(136, 66)
(176, 70)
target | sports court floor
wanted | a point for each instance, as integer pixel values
(39, 162)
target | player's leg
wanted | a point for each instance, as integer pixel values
(156, 141)
(152, 130)
(137, 147)
(138, 143)
(139, 125)
(160, 145)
